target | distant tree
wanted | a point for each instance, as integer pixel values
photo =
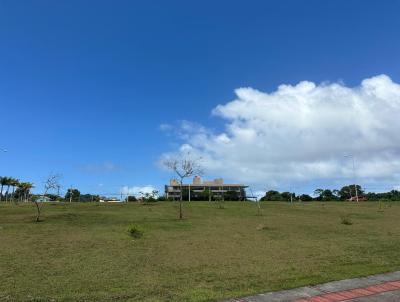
(89, 198)
(51, 183)
(149, 196)
(14, 182)
(72, 195)
(318, 194)
(393, 195)
(131, 198)
(327, 195)
(305, 197)
(336, 193)
(7, 182)
(288, 196)
(3, 182)
(349, 191)
(183, 166)
(23, 191)
(272, 196)
(162, 198)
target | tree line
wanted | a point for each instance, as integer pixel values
(345, 193)
(12, 189)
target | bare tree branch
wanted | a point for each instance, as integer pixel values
(51, 183)
(184, 166)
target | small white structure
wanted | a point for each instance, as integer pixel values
(109, 199)
(43, 199)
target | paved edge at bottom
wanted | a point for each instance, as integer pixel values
(344, 290)
(354, 293)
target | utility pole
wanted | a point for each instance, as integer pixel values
(70, 194)
(354, 176)
(291, 195)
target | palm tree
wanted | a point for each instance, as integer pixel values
(14, 183)
(8, 181)
(23, 190)
(3, 182)
(28, 186)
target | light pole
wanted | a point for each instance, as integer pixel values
(354, 174)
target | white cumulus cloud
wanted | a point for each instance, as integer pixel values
(302, 133)
(137, 190)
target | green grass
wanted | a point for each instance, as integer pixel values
(84, 252)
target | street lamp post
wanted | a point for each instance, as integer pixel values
(354, 175)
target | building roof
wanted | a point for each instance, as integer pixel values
(197, 182)
(213, 185)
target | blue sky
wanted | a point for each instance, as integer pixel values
(85, 85)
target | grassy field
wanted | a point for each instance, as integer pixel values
(83, 252)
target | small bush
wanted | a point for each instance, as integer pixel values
(263, 227)
(345, 220)
(135, 231)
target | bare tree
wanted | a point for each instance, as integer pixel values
(51, 183)
(184, 166)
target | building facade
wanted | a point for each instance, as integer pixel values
(206, 190)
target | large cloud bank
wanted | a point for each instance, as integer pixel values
(302, 133)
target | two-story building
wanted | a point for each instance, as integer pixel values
(214, 189)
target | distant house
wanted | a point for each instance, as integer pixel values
(360, 198)
(43, 199)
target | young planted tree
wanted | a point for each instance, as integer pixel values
(183, 166)
(51, 183)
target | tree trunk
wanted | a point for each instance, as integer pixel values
(12, 194)
(180, 202)
(8, 188)
(38, 211)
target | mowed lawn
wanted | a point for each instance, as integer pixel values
(83, 252)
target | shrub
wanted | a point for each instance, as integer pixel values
(135, 231)
(131, 198)
(262, 227)
(345, 220)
